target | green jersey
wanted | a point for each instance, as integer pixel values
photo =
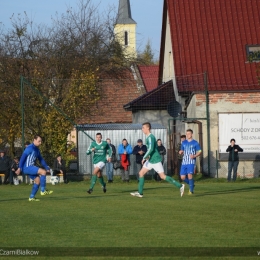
(152, 153)
(100, 152)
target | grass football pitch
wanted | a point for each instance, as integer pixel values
(220, 221)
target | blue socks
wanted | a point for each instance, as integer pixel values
(34, 190)
(186, 180)
(43, 182)
(191, 183)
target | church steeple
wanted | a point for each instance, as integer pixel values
(124, 13)
(125, 28)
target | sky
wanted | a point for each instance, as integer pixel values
(146, 13)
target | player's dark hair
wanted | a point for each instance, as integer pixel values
(183, 136)
(36, 137)
(124, 140)
(99, 134)
(189, 130)
(148, 124)
(159, 140)
(232, 140)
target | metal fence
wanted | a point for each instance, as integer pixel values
(116, 132)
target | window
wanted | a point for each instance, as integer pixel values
(253, 53)
(126, 38)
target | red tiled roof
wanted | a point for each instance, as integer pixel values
(149, 75)
(116, 91)
(211, 35)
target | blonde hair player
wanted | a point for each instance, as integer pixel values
(152, 160)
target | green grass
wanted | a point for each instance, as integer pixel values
(219, 214)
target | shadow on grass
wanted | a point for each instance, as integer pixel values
(228, 191)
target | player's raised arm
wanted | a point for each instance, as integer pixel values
(89, 151)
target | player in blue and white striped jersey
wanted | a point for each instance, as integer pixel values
(37, 174)
(190, 149)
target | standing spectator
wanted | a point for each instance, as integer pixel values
(109, 165)
(14, 168)
(139, 152)
(59, 166)
(5, 165)
(190, 149)
(233, 159)
(180, 156)
(124, 150)
(100, 149)
(162, 151)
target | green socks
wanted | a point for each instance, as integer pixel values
(101, 180)
(141, 185)
(93, 181)
(172, 181)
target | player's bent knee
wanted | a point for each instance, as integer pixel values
(190, 176)
(162, 175)
(42, 171)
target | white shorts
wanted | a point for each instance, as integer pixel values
(156, 166)
(99, 165)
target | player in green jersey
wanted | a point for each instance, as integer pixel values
(152, 160)
(100, 149)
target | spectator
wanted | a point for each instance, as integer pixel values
(109, 165)
(59, 166)
(139, 152)
(180, 156)
(162, 151)
(233, 159)
(124, 151)
(14, 168)
(5, 165)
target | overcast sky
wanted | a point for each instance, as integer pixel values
(147, 14)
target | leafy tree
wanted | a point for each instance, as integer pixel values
(147, 56)
(62, 64)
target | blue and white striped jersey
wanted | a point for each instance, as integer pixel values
(29, 157)
(189, 148)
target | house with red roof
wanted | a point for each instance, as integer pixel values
(204, 55)
(149, 75)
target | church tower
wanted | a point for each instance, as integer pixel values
(125, 28)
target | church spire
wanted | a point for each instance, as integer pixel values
(125, 28)
(124, 13)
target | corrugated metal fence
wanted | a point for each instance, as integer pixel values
(116, 132)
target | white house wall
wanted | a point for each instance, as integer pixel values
(223, 103)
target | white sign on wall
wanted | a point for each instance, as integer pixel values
(243, 127)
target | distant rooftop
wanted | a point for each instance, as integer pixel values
(149, 75)
(124, 13)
